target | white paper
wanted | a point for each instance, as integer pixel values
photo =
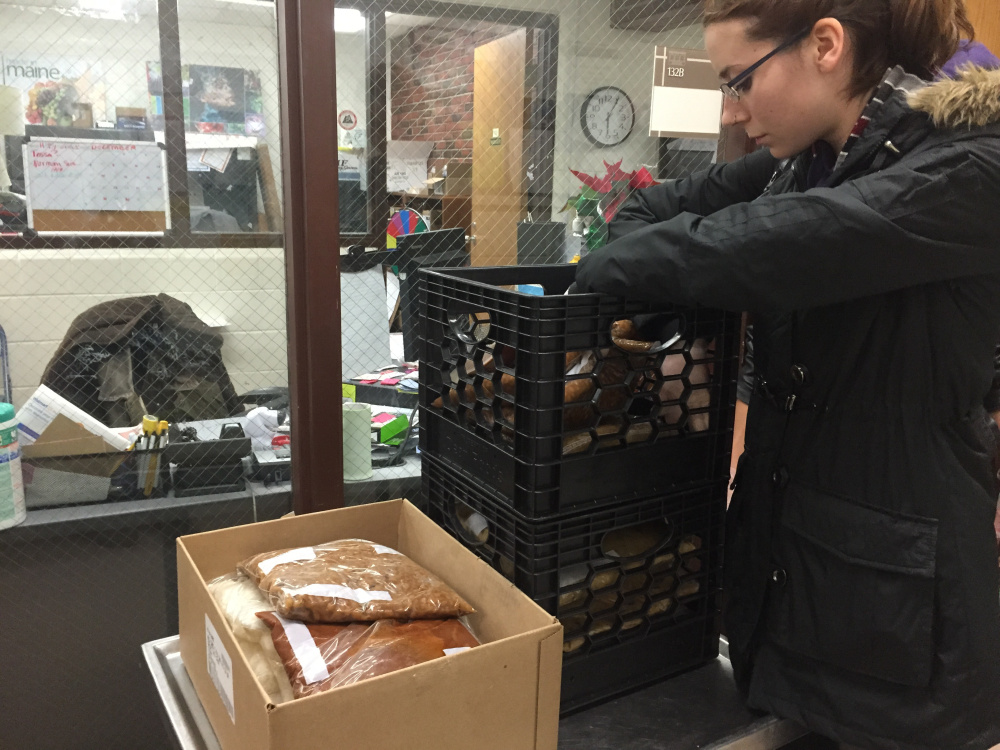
(450, 651)
(220, 667)
(382, 550)
(349, 165)
(336, 591)
(686, 111)
(216, 158)
(194, 163)
(406, 165)
(43, 407)
(364, 323)
(302, 553)
(306, 651)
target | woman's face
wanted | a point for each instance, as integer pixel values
(789, 102)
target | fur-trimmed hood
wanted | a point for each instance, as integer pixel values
(970, 100)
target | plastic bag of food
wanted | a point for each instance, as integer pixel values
(351, 580)
(240, 600)
(322, 657)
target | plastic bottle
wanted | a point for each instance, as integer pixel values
(11, 486)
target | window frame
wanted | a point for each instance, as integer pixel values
(542, 118)
(179, 235)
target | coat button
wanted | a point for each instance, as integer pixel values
(779, 479)
(778, 577)
(800, 374)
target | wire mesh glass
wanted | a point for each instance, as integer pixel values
(484, 111)
(142, 275)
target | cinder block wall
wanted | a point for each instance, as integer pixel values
(241, 291)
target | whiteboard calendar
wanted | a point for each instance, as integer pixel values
(83, 186)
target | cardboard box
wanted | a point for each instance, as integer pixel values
(459, 180)
(503, 695)
(68, 456)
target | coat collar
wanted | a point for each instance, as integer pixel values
(971, 100)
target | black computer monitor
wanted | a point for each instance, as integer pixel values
(440, 248)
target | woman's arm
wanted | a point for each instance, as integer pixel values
(703, 193)
(898, 228)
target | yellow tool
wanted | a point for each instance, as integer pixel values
(151, 426)
(148, 428)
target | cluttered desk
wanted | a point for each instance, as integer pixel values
(72, 461)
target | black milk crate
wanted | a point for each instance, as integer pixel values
(634, 584)
(497, 400)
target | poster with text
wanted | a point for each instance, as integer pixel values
(54, 87)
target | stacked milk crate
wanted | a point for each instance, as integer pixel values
(580, 444)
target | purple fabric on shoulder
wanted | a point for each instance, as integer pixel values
(969, 53)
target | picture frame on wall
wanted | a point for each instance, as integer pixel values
(217, 99)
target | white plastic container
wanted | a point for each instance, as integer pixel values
(357, 442)
(11, 486)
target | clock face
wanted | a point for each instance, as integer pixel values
(607, 116)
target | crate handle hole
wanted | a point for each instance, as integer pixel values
(471, 328)
(637, 541)
(472, 526)
(662, 330)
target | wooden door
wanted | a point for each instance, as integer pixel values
(985, 17)
(498, 133)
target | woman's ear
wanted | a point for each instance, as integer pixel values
(828, 46)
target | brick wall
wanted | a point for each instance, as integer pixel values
(432, 78)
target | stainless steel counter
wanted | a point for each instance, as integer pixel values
(696, 710)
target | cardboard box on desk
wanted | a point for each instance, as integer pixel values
(68, 464)
(457, 182)
(503, 695)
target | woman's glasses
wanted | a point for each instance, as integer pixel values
(740, 83)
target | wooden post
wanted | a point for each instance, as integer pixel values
(268, 188)
(312, 250)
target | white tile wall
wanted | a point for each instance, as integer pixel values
(241, 290)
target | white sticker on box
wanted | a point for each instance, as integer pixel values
(220, 667)
(302, 553)
(336, 591)
(383, 550)
(460, 649)
(305, 650)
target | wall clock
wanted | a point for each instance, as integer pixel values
(607, 116)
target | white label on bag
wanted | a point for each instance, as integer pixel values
(220, 667)
(302, 553)
(305, 650)
(382, 550)
(336, 591)
(450, 651)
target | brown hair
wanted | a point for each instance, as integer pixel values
(919, 35)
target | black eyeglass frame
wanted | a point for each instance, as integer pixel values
(731, 89)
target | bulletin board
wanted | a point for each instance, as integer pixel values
(83, 186)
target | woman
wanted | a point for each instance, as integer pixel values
(860, 564)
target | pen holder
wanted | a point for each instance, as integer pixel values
(54, 481)
(145, 473)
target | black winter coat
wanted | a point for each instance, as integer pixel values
(861, 566)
